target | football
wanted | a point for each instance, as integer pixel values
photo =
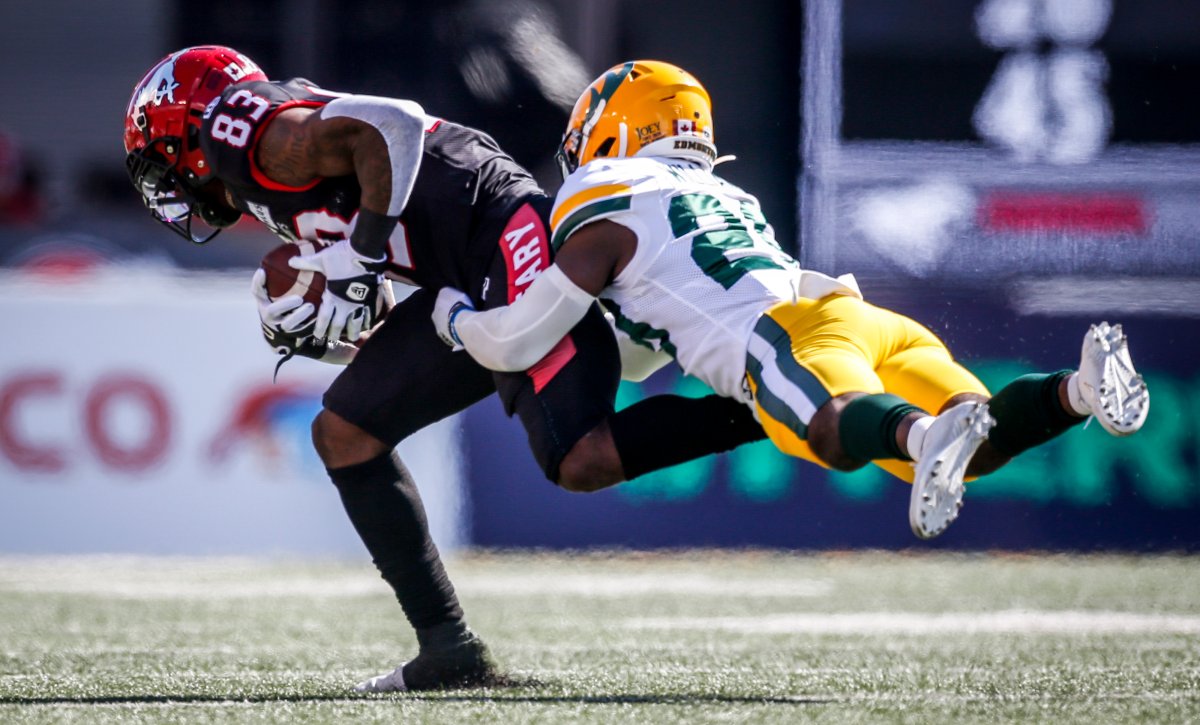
(282, 280)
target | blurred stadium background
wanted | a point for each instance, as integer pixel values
(1006, 171)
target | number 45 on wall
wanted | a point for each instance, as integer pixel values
(1046, 101)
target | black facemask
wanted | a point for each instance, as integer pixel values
(170, 200)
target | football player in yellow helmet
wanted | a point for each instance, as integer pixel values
(640, 108)
(689, 269)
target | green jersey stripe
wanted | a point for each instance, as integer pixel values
(773, 406)
(588, 213)
(640, 332)
(771, 331)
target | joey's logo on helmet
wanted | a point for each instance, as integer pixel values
(649, 132)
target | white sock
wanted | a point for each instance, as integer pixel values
(916, 437)
(1077, 403)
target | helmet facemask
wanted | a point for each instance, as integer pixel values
(567, 155)
(169, 199)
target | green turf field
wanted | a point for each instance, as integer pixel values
(654, 638)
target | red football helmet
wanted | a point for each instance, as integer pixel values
(162, 133)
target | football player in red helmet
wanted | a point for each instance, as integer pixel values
(434, 204)
(162, 136)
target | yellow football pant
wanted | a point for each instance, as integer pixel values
(803, 353)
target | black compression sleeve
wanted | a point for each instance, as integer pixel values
(371, 233)
(665, 430)
(383, 504)
(1028, 413)
(868, 425)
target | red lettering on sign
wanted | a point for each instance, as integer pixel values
(141, 393)
(104, 398)
(24, 454)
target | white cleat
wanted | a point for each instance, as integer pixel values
(937, 489)
(1109, 386)
(391, 682)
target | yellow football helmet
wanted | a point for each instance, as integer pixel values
(639, 108)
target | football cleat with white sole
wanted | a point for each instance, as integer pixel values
(937, 489)
(391, 682)
(1110, 387)
(465, 664)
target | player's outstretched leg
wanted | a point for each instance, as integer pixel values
(947, 447)
(1108, 386)
(462, 660)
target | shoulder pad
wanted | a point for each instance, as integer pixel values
(597, 190)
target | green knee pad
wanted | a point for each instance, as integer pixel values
(868, 427)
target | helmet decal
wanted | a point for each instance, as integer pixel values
(238, 72)
(609, 84)
(210, 107)
(159, 86)
(639, 108)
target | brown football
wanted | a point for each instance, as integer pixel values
(282, 280)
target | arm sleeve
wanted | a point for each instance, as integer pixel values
(517, 336)
(402, 125)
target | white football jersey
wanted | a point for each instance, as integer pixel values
(706, 266)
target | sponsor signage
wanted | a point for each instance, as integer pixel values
(138, 414)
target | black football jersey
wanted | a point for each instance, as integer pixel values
(466, 187)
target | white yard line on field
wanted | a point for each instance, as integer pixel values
(608, 584)
(232, 578)
(1017, 621)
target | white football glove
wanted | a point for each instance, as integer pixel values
(289, 314)
(351, 285)
(449, 303)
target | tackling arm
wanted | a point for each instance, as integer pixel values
(517, 336)
(514, 337)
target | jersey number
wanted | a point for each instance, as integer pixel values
(236, 131)
(725, 255)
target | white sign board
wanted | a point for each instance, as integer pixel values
(138, 414)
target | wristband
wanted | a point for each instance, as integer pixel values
(454, 312)
(371, 233)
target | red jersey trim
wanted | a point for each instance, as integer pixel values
(544, 370)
